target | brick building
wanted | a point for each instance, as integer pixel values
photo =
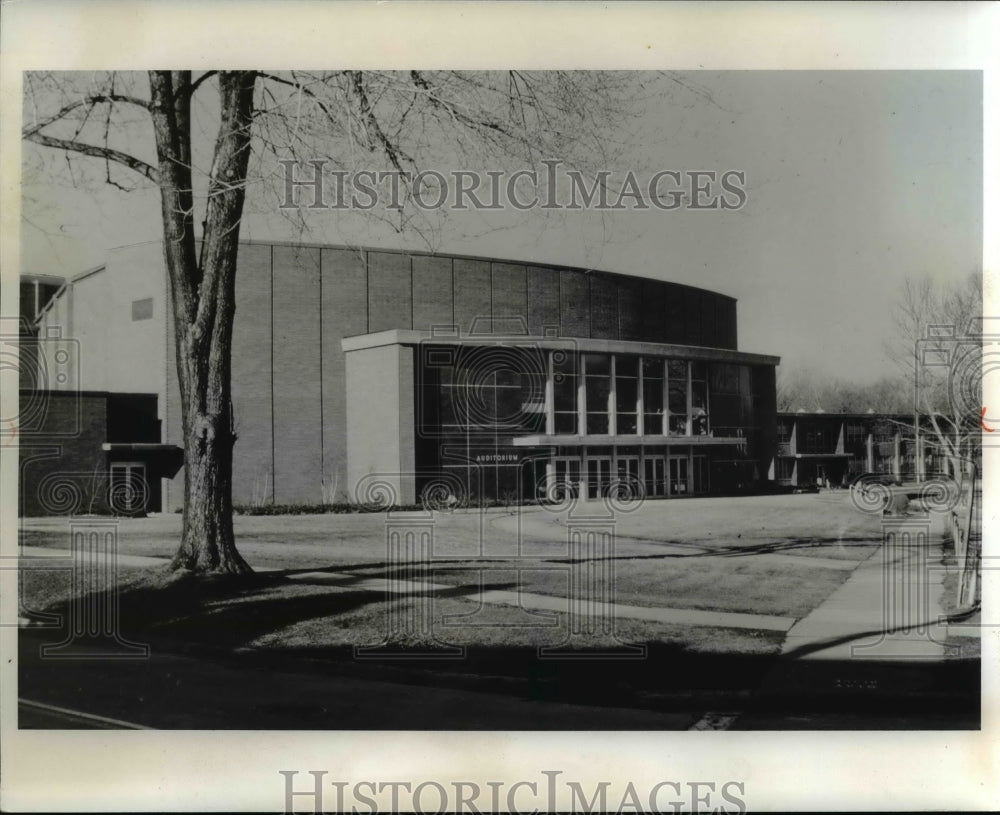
(830, 449)
(489, 379)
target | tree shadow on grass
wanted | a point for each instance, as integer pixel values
(372, 569)
(223, 613)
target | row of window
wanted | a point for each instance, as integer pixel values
(826, 439)
(557, 392)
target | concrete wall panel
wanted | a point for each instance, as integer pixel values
(510, 299)
(604, 307)
(574, 304)
(656, 325)
(389, 291)
(630, 309)
(253, 470)
(297, 405)
(433, 293)
(543, 300)
(473, 300)
(345, 299)
(380, 424)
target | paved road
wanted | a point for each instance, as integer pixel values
(171, 691)
(188, 691)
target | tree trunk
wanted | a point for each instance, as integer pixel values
(203, 294)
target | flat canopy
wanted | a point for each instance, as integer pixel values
(624, 441)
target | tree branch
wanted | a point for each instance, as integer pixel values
(107, 153)
(199, 80)
(88, 101)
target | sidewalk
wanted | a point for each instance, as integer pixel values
(890, 608)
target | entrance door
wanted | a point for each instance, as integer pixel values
(533, 482)
(628, 468)
(700, 485)
(567, 475)
(627, 473)
(598, 476)
(654, 471)
(678, 475)
(127, 488)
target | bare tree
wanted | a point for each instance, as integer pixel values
(801, 389)
(938, 344)
(212, 142)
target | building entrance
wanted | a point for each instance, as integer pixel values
(598, 476)
(679, 475)
(655, 480)
(628, 469)
(567, 474)
(127, 488)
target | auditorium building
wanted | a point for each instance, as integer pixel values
(362, 373)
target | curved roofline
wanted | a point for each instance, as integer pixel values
(451, 255)
(485, 258)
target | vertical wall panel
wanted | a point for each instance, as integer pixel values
(692, 317)
(297, 403)
(656, 324)
(574, 304)
(673, 309)
(630, 308)
(725, 328)
(253, 478)
(389, 291)
(510, 299)
(603, 307)
(543, 300)
(344, 305)
(730, 334)
(473, 296)
(707, 319)
(433, 303)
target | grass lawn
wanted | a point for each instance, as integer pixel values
(775, 555)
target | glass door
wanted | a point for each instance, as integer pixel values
(598, 476)
(567, 475)
(678, 475)
(127, 488)
(628, 469)
(654, 471)
(700, 475)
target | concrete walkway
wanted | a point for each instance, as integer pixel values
(545, 602)
(42, 558)
(889, 609)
